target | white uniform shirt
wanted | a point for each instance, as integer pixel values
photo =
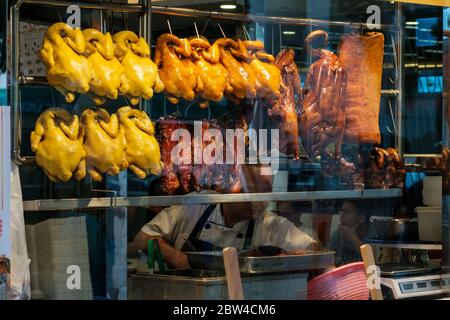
(176, 223)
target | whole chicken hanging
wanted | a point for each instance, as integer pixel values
(67, 70)
(107, 71)
(212, 73)
(59, 150)
(322, 120)
(177, 71)
(104, 143)
(142, 149)
(284, 110)
(267, 74)
(141, 78)
(241, 76)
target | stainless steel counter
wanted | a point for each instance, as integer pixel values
(211, 285)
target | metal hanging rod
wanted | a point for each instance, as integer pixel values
(97, 203)
(127, 8)
(194, 13)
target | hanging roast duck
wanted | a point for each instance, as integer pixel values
(177, 71)
(213, 74)
(322, 121)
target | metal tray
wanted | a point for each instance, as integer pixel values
(213, 260)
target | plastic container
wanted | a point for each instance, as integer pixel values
(348, 282)
(430, 223)
(432, 191)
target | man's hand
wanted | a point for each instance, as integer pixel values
(347, 232)
(351, 235)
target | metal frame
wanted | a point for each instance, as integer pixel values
(194, 13)
(145, 31)
(16, 80)
(97, 203)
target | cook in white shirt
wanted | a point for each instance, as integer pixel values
(206, 227)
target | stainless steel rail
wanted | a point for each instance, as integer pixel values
(97, 203)
(128, 8)
(194, 13)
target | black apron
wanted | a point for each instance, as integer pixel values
(200, 245)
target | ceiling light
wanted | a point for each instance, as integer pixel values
(411, 23)
(288, 32)
(228, 6)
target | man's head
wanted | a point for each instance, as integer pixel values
(291, 210)
(351, 214)
(252, 182)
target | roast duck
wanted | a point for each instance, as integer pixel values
(176, 69)
(67, 69)
(195, 171)
(283, 111)
(142, 150)
(362, 59)
(322, 118)
(58, 147)
(107, 71)
(141, 78)
(104, 143)
(383, 169)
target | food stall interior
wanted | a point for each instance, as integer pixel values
(90, 222)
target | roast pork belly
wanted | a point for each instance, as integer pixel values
(362, 60)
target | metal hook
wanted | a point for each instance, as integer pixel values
(124, 20)
(59, 15)
(395, 60)
(247, 35)
(221, 30)
(170, 28)
(114, 198)
(207, 21)
(196, 30)
(281, 36)
(392, 118)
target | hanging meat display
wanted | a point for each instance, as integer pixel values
(268, 76)
(284, 110)
(176, 70)
(104, 143)
(142, 151)
(182, 177)
(362, 60)
(241, 77)
(67, 69)
(322, 120)
(141, 78)
(59, 150)
(212, 73)
(107, 71)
